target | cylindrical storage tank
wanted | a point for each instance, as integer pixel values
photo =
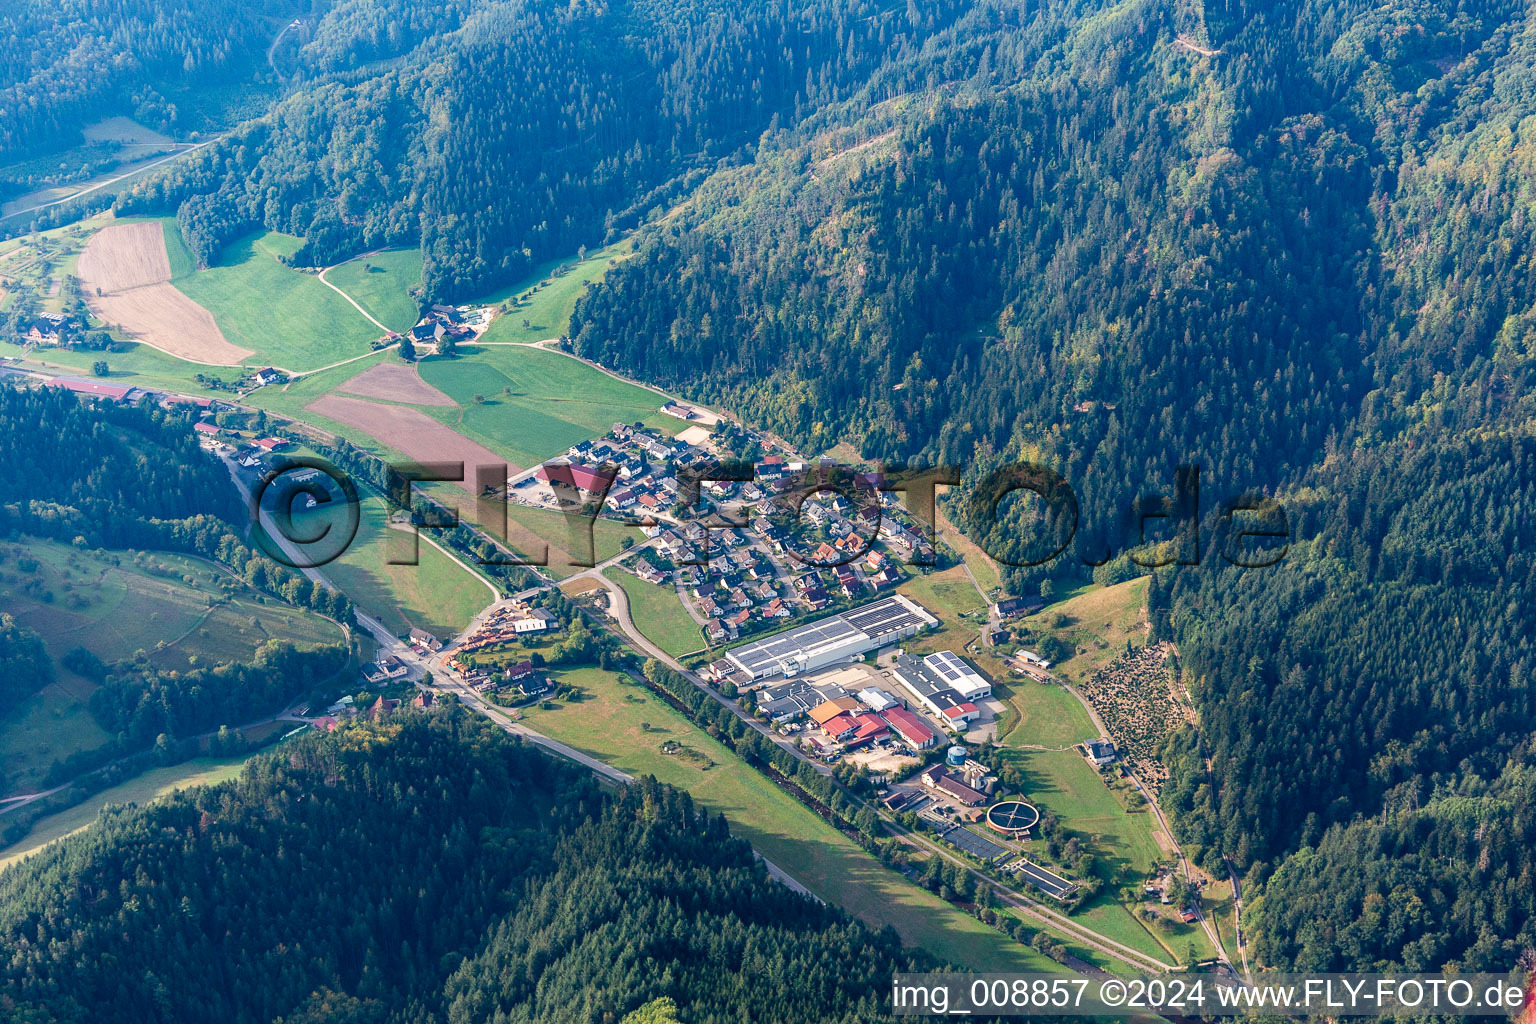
(957, 755)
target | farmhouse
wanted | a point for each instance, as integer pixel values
(1012, 607)
(1100, 752)
(843, 637)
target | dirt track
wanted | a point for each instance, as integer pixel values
(125, 277)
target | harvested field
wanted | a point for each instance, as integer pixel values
(394, 382)
(409, 431)
(124, 256)
(125, 277)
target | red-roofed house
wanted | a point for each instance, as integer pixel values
(870, 728)
(205, 428)
(270, 444)
(958, 713)
(841, 727)
(910, 728)
(574, 475)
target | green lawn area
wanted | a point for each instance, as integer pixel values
(179, 610)
(658, 614)
(611, 722)
(947, 593)
(436, 594)
(528, 529)
(48, 726)
(1044, 714)
(980, 563)
(547, 298)
(152, 785)
(535, 404)
(1097, 622)
(381, 284)
(289, 319)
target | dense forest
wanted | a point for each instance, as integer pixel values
(1287, 242)
(427, 868)
(524, 132)
(65, 64)
(98, 475)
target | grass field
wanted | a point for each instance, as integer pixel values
(152, 785)
(528, 528)
(1097, 622)
(48, 726)
(180, 611)
(381, 284)
(289, 319)
(535, 404)
(547, 298)
(658, 614)
(436, 594)
(1044, 714)
(947, 593)
(611, 724)
(980, 563)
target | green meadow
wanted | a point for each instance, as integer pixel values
(381, 284)
(288, 318)
(624, 725)
(180, 611)
(540, 306)
(658, 614)
(533, 404)
(436, 594)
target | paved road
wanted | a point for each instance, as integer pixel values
(112, 181)
(619, 610)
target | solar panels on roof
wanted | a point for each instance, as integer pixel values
(837, 637)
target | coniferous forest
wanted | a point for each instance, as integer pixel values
(427, 868)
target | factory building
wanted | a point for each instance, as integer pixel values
(844, 637)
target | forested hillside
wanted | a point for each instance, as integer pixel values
(429, 868)
(97, 475)
(531, 130)
(1300, 264)
(1286, 241)
(64, 64)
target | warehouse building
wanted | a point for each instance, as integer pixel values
(941, 681)
(838, 638)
